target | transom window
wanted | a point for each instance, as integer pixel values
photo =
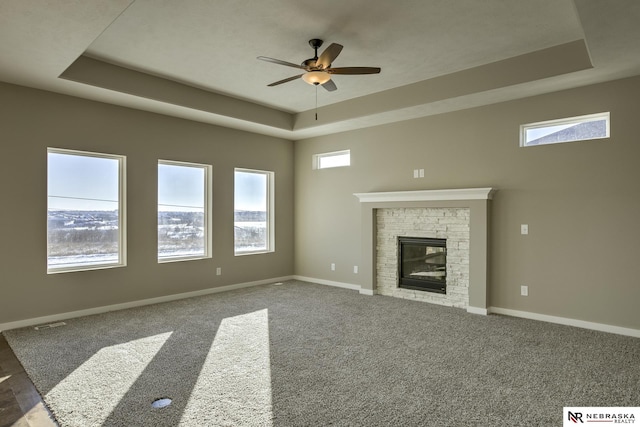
(184, 211)
(253, 211)
(334, 159)
(592, 126)
(85, 210)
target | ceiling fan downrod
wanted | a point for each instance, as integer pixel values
(315, 44)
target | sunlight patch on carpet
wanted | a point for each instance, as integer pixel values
(109, 372)
(234, 384)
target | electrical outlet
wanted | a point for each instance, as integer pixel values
(333, 267)
(421, 173)
(218, 271)
(524, 228)
(355, 269)
(524, 291)
(416, 173)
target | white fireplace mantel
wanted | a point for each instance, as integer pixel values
(427, 195)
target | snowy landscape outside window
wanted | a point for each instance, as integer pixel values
(253, 211)
(184, 199)
(85, 210)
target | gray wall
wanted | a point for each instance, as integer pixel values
(581, 199)
(33, 120)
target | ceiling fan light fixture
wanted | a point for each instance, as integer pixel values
(318, 69)
(316, 77)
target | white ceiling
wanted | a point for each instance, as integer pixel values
(196, 59)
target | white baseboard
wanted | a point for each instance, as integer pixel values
(329, 283)
(477, 310)
(566, 321)
(498, 310)
(97, 310)
(474, 310)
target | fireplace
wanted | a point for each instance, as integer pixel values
(461, 216)
(422, 264)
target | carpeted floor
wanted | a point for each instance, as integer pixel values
(302, 354)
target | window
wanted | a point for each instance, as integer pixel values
(85, 211)
(332, 160)
(592, 126)
(184, 211)
(253, 212)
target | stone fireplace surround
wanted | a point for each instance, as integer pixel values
(451, 224)
(476, 200)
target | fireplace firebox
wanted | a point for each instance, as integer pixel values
(422, 264)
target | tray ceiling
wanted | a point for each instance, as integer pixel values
(197, 59)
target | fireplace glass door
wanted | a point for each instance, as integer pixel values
(422, 264)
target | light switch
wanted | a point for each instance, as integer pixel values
(524, 228)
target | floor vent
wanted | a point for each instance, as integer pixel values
(49, 326)
(163, 402)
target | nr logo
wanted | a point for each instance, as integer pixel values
(575, 417)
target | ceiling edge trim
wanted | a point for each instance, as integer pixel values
(113, 77)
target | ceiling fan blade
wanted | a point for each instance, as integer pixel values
(277, 61)
(330, 86)
(279, 82)
(353, 70)
(329, 54)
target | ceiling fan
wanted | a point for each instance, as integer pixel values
(318, 69)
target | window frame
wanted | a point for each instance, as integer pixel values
(270, 220)
(208, 209)
(576, 120)
(317, 159)
(122, 211)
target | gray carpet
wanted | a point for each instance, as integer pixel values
(302, 354)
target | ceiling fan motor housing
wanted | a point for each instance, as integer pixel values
(309, 63)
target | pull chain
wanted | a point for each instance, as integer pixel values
(316, 85)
